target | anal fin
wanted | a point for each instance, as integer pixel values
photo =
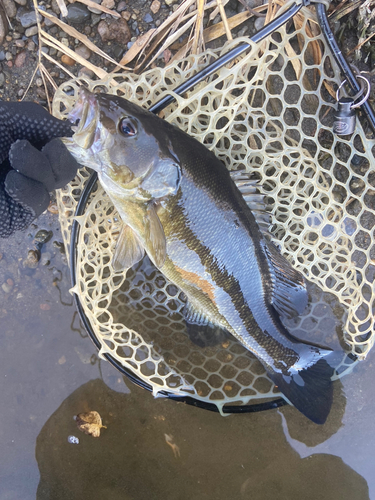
(201, 330)
(129, 250)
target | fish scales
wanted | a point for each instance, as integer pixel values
(179, 205)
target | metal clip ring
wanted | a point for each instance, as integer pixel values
(365, 97)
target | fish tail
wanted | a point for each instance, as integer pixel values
(307, 384)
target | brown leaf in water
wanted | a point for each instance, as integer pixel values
(90, 423)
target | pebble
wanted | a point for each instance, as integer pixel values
(155, 6)
(20, 92)
(27, 17)
(31, 31)
(121, 6)
(55, 7)
(93, 10)
(77, 13)
(20, 43)
(10, 8)
(126, 15)
(7, 286)
(259, 23)
(39, 82)
(31, 46)
(46, 259)
(52, 207)
(67, 60)
(47, 21)
(43, 236)
(148, 18)
(117, 30)
(83, 51)
(20, 59)
(32, 259)
(108, 3)
(8, 56)
(21, 2)
(2, 79)
(86, 72)
(169, 2)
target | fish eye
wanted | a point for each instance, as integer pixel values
(127, 128)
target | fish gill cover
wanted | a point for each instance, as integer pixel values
(269, 113)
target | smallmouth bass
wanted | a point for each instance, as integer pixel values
(180, 205)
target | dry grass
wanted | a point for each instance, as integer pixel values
(185, 23)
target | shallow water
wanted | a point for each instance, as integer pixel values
(152, 448)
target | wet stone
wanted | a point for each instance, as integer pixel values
(27, 17)
(43, 236)
(32, 259)
(77, 13)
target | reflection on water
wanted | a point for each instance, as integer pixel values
(243, 457)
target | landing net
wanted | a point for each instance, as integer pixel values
(270, 113)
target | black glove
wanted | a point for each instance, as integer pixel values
(33, 162)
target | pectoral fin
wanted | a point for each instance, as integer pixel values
(156, 244)
(129, 250)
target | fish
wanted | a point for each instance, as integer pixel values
(180, 206)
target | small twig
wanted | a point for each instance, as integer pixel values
(252, 11)
(225, 20)
(198, 26)
(360, 44)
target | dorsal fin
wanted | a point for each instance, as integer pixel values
(289, 294)
(254, 200)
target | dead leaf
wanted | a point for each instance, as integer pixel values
(90, 423)
(175, 448)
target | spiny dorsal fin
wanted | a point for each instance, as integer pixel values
(289, 294)
(128, 251)
(254, 200)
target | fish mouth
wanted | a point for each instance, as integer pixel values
(86, 113)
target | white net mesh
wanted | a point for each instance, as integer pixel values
(270, 113)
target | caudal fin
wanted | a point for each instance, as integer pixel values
(309, 389)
